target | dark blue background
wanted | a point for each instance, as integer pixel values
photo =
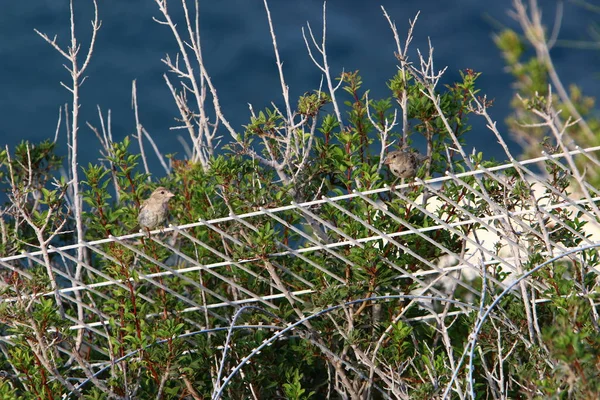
(239, 56)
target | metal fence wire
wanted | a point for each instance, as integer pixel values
(277, 254)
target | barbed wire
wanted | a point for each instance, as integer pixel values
(434, 276)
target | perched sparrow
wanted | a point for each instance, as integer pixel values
(404, 164)
(155, 209)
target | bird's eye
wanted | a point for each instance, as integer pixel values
(162, 192)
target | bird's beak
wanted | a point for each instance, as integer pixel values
(386, 161)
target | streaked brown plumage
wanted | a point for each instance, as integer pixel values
(155, 209)
(404, 164)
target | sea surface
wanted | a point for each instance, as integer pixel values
(239, 56)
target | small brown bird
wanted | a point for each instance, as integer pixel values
(404, 164)
(155, 209)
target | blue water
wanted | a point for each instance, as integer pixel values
(238, 52)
